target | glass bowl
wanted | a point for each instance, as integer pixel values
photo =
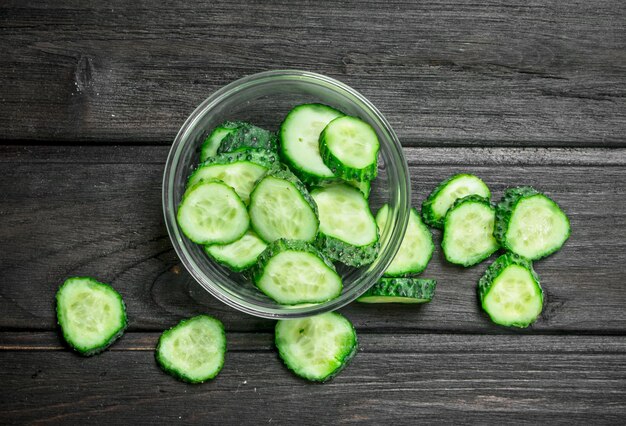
(264, 99)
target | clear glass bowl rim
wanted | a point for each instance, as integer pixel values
(399, 213)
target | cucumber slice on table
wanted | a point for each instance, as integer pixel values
(347, 231)
(91, 314)
(436, 205)
(468, 231)
(239, 255)
(316, 348)
(400, 290)
(239, 170)
(349, 147)
(193, 350)
(248, 136)
(211, 212)
(510, 293)
(530, 224)
(293, 272)
(416, 248)
(281, 207)
(213, 141)
(299, 141)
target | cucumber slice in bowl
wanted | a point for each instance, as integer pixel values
(91, 314)
(530, 224)
(294, 272)
(316, 348)
(347, 232)
(239, 255)
(436, 205)
(281, 207)
(246, 137)
(349, 147)
(239, 170)
(213, 141)
(510, 293)
(416, 248)
(299, 141)
(193, 350)
(211, 212)
(468, 232)
(400, 290)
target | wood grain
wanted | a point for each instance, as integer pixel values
(97, 211)
(486, 379)
(533, 73)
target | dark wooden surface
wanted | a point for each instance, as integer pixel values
(92, 93)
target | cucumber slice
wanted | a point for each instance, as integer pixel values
(468, 232)
(299, 141)
(248, 136)
(364, 186)
(416, 248)
(212, 213)
(293, 272)
(436, 206)
(316, 348)
(281, 207)
(400, 290)
(530, 224)
(239, 255)
(239, 170)
(213, 141)
(349, 147)
(347, 232)
(193, 350)
(91, 314)
(510, 293)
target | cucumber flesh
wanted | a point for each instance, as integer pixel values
(299, 141)
(416, 248)
(436, 205)
(400, 290)
(91, 314)
(530, 224)
(349, 147)
(281, 207)
(212, 213)
(213, 141)
(239, 255)
(294, 272)
(510, 292)
(468, 232)
(316, 348)
(347, 231)
(193, 350)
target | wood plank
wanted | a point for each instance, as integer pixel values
(521, 379)
(498, 73)
(85, 213)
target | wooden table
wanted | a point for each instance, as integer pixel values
(92, 94)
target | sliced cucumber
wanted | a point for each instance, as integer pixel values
(349, 147)
(239, 170)
(530, 224)
(281, 207)
(248, 136)
(436, 206)
(239, 255)
(193, 350)
(91, 314)
(416, 248)
(211, 212)
(347, 231)
(213, 141)
(293, 272)
(510, 293)
(468, 231)
(364, 186)
(400, 290)
(299, 141)
(316, 348)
